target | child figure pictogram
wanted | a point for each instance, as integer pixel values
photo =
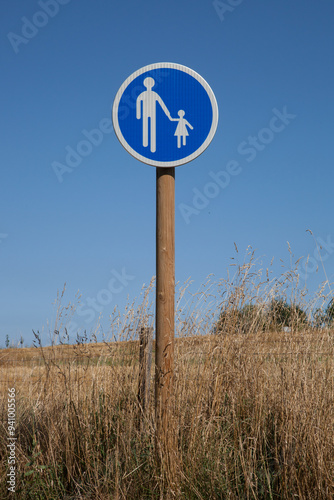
(181, 129)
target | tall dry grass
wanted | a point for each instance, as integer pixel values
(253, 410)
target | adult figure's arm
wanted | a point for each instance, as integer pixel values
(138, 106)
(164, 107)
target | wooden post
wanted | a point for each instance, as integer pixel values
(165, 290)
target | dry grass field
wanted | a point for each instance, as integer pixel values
(253, 412)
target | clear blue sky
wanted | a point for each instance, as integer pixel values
(61, 78)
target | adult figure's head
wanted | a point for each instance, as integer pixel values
(149, 83)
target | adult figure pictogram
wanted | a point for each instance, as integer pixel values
(146, 109)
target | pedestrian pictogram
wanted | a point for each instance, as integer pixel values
(165, 114)
(181, 129)
(146, 109)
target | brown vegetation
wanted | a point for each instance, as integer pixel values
(253, 412)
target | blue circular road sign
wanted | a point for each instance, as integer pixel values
(165, 114)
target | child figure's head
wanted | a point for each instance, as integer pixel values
(181, 113)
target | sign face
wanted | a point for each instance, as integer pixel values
(165, 114)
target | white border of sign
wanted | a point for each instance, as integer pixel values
(149, 161)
